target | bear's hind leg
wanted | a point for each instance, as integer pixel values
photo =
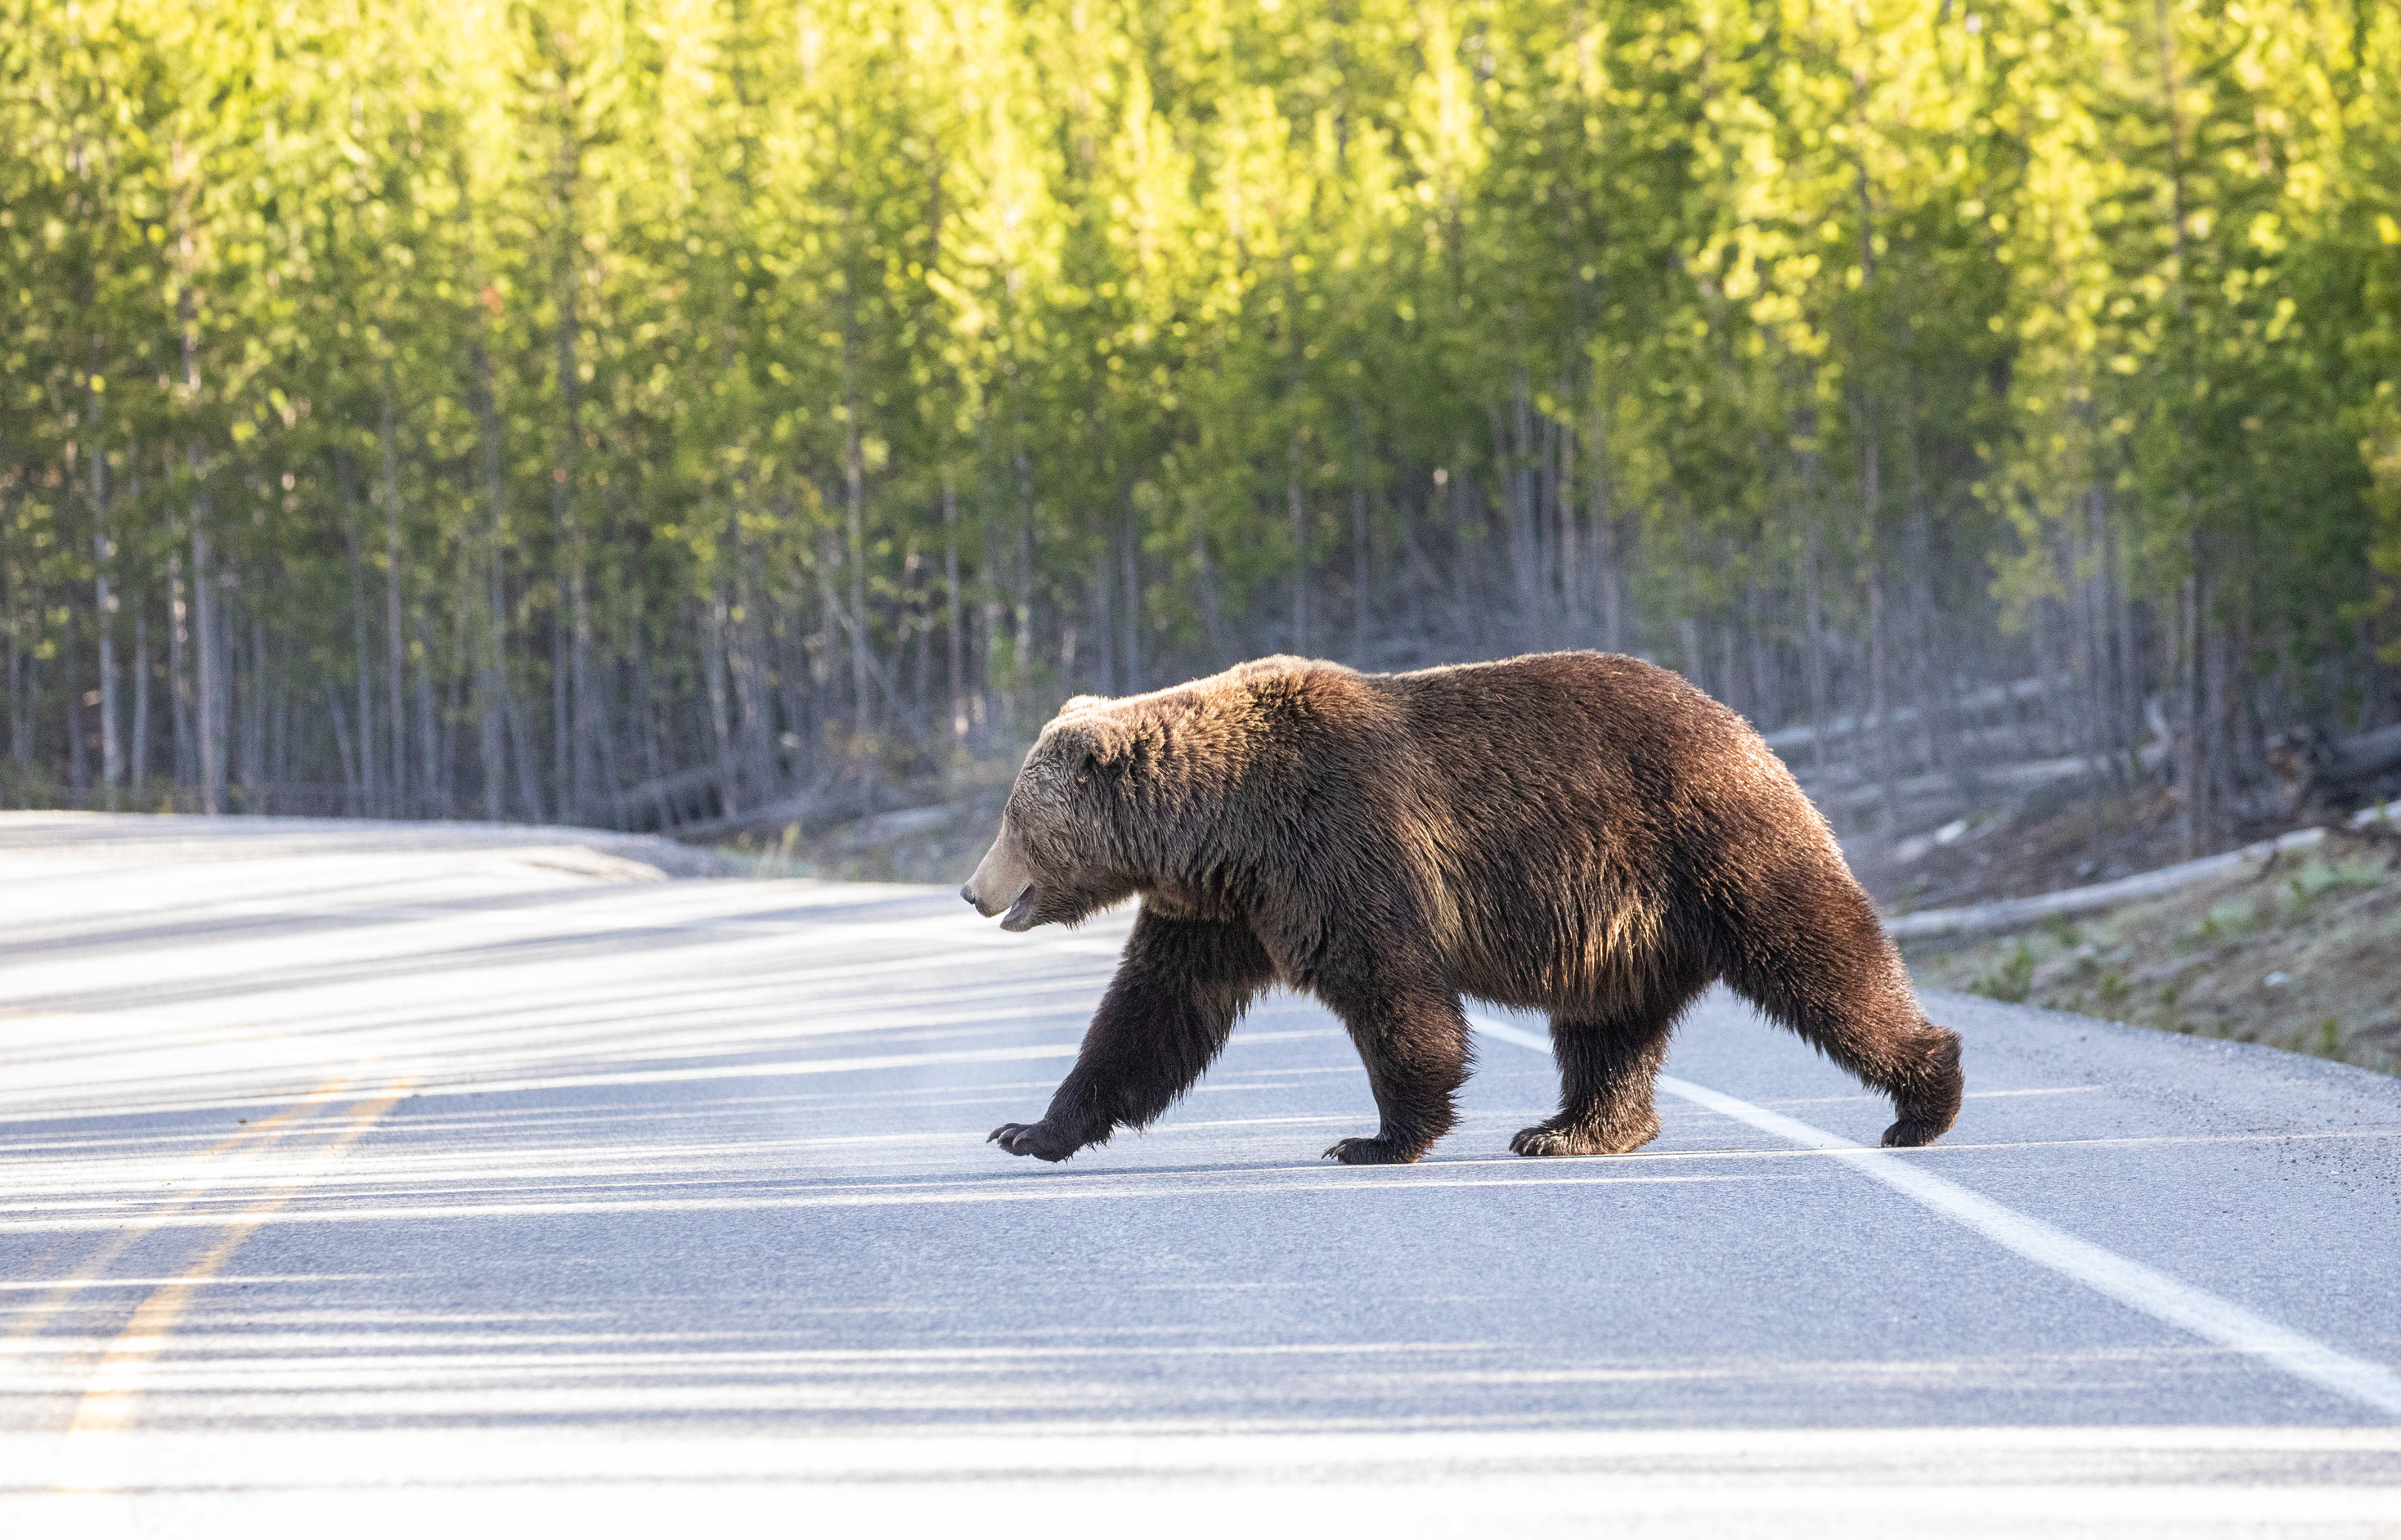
(1817, 961)
(1609, 1065)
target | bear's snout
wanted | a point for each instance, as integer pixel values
(1003, 884)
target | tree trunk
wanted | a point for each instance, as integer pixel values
(1298, 507)
(208, 658)
(862, 666)
(955, 613)
(179, 689)
(1570, 557)
(1359, 564)
(209, 671)
(2193, 682)
(1103, 626)
(720, 716)
(1136, 681)
(104, 551)
(258, 774)
(1024, 618)
(1607, 546)
(395, 650)
(574, 706)
(1813, 620)
(362, 649)
(78, 773)
(139, 763)
(1212, 619)
(353, 791)
(432, 774)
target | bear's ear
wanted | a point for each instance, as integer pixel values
(1074, 703)
(1073, 749)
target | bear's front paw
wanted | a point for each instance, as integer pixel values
(1578, 1140)
(1369, 1152)
(1038, 1139)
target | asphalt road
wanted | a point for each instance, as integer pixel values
(387, 1176)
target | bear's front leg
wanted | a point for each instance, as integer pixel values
(1179, 989)
(1415, 1044)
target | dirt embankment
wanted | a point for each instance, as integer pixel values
(2302, 952)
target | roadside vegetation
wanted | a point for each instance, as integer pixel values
(2300, 952)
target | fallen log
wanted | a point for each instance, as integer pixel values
(2321, 769)
(2009, 914)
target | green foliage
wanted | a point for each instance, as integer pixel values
(2013, 980)
(562, 395)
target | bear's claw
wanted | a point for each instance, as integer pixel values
(1033, 1139)
(1368, 1152)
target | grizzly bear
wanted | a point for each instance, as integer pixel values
(1578, 832)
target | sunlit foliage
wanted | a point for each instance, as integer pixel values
(634, 411)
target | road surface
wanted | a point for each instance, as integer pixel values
(387, 1176)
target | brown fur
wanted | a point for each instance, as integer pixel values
(1580, 833)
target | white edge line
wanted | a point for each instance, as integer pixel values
(2129, 1283)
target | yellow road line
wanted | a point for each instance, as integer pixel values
(113, 1394)
(30, 1322)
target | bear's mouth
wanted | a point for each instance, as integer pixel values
(1020, 914)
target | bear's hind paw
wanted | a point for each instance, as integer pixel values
(1036, 1139)
(1369, 1152)
(1910, 1132)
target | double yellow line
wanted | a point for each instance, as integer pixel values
(112, 1392)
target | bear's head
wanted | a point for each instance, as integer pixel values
(1056, 861)
(1146, 794)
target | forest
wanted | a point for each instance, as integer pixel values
(646, 413)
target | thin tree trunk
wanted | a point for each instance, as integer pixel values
(21, 748)
(956, 643)
(140, 759)
(1136, 681)
(720, 716)
(2195, 773)
(1879, 705)
(504, 737)
(1871, 533)
(1813, 620)
(258, 774)
(1298, 507)
(1570, 558)
(1359, 605)
(353, 793)
(574, 704)
(77, 771)
(1103, 626)
(104, 551)
(209, 671)
(1606, 530)
(179, 689)
(362, 651)
(1212, 618)
(395, 650)
(208, 662)
(1024, 616)
(434, 786)
(853, 470)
